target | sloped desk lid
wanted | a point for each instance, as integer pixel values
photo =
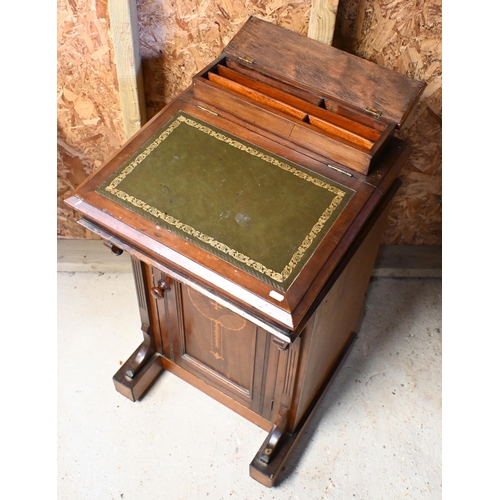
(259, 212)
(258, 226)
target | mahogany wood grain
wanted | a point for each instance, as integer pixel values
(279, 84)
(340, 108)
(339, 149)
(358, 82)
(157, 308)
(349, 125)
(306, 92)
(257, 96)
(316, 161)
(216, 344)
(337, 127)
(342, 306)
(336, 131)
(275, 118)
(239, 105)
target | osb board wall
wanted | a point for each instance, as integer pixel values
(405, 36)
(179, 37)
(89, 123)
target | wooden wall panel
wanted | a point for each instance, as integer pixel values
(89, 123)
(405, 36)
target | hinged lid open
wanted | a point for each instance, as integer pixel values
(345, 77)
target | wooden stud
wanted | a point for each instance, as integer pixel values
(125, 36)
(322, 20)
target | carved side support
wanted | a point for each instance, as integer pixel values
(141, 356)
(281, 441)
(137, 374)
(269, 460)
(141, 369)
(271, 444)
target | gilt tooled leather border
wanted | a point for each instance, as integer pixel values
(112, 188)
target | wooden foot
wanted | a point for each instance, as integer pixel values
(137, 374)
(267, 473)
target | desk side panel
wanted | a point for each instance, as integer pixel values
(333, 323)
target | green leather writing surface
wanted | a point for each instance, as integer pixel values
(259, 212)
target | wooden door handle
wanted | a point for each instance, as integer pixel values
(158, 292)
(114, 249)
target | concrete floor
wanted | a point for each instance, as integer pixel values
(377, 434)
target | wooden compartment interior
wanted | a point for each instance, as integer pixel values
(332, 119)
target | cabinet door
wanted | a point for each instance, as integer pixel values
(217, 345)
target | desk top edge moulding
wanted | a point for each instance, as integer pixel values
(252, 207)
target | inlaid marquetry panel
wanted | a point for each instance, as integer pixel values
(218, 345)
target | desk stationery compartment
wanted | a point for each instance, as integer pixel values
(341, 133)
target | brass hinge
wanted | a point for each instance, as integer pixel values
(246, 59)
(373, 112)
(339, 170)
(208, 110)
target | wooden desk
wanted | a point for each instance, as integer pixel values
(253, 207)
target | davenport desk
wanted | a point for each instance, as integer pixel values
(252, 207)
